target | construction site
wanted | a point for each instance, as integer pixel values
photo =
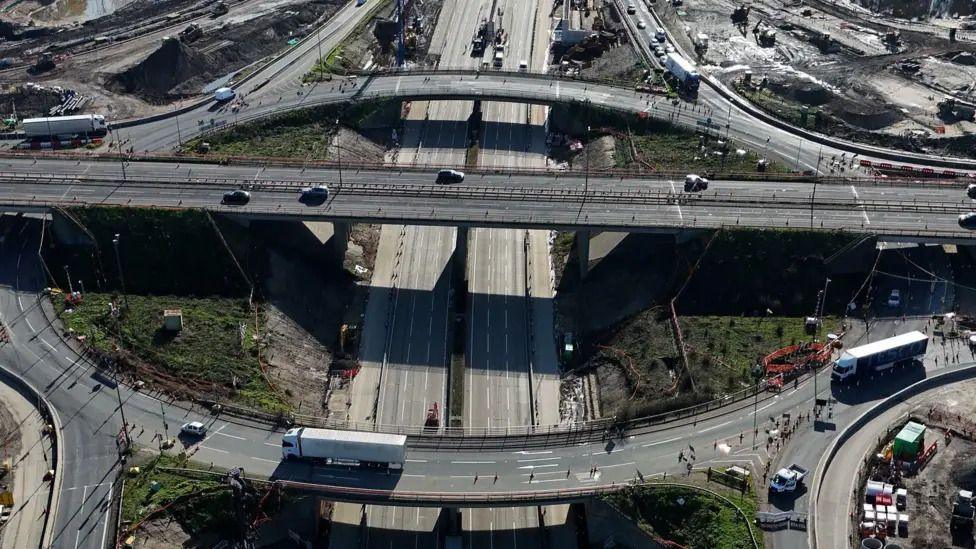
(862, 72)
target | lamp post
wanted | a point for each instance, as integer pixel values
(118, 264)
(823, 300)
(339, 153)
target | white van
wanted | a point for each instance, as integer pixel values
(523, 66)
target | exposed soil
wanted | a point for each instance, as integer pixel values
(27, 100)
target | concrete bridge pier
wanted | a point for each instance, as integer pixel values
(338, 244)
(583, 252)
(460, 257)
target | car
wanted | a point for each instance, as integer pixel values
(641, 24)
(668, 48)
(237, 197)
(660, 35)
(894, 298)
(695, 183)
(971, 191)
(658, 51)
(314, 195)
(968, 221)
(450, 176)
(194, 428)
(631, 9)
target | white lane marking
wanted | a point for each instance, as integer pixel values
(27, 320)
(863, 211)
(764, 407)
(538, 459)
(267, 460)
(49, 346)
(84, 498)
(473, 462)
(20, 304)
(713, 427)
(532, 453)
(616, 465)
(108, 509)
(544, 480)
(230, 436)
(660, 442)
(214, 449)
(279, 446)
(416, 461)
(414, 476)
(539, 466)
(675, 192)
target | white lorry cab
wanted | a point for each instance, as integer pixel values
(880, 355)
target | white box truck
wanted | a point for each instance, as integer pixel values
(880, 355)
(65, 125)
(352, 447)
(683, 71)
(224, 94)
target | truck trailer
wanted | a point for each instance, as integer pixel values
(352, 447)
(65, 126)
(880, 355)
(683, 71)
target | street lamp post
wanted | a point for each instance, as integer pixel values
(118, 264)
(823, 300)
(339, 152)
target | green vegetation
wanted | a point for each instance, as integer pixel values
(204, 503)
(689, 517)
(783, 108)
(305, 133)
(212, 352)
(335, 62)
(673, 149)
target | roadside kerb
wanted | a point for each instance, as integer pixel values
(958, 374)
(47, 412)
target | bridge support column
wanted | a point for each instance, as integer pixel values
(460, 257)
(338, 243)
(583, 252)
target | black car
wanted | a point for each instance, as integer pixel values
(314, 196)
(971, 191)
(695, 183)
(450, 176)
(968, 221)
(236, 198)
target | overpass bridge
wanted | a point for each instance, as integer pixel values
(893, 210)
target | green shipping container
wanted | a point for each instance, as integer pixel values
(910, 441)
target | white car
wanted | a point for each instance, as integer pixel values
(894, 299)
(194, 428)
(641, 24)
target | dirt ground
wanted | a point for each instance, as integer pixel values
(952, 468)
(862, 83)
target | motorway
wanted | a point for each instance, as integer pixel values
(534, 201)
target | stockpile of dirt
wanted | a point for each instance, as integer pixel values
(178, 70)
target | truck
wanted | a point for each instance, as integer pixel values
(65, 126)
(224, 94)
(683, 72)
(788, 479)
(362, 448)
(880, 355)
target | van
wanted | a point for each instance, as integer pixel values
(523, 66)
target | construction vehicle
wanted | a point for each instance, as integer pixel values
(880, 355)
(740, 15)
(788, 479)
(962, 513)
(950, 109)
(824, 41)
(484, 33)
(190, 33)
(764, 34)
(701, 44)
(433, 419)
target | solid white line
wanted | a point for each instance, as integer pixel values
(473, 462)
(20, 304)
(107, 511)
(539, 466)
(49, 346)
(660, 442)
(230, 436)
(545, 480)
(713, 427)
(214, 449)
(416, 460)
(267, 460)
(616, 465)
(415, 476)
(532, 453)
(538, 459)
(764, 407)
(29, 325)
(278, 445)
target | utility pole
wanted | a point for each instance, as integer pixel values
(814, 194)
(179, 134)
(118, 264)
(823, 300)
(118, 392)
(121, 158)
(67, 274)
(339, 153)
(798, 147)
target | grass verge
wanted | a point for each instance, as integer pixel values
(154, 488)
(672, 149)
(688, 516)
(215, 351)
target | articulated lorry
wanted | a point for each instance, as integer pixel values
(880, 355)
(683, 71)
(347, 447)
(65, 126)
